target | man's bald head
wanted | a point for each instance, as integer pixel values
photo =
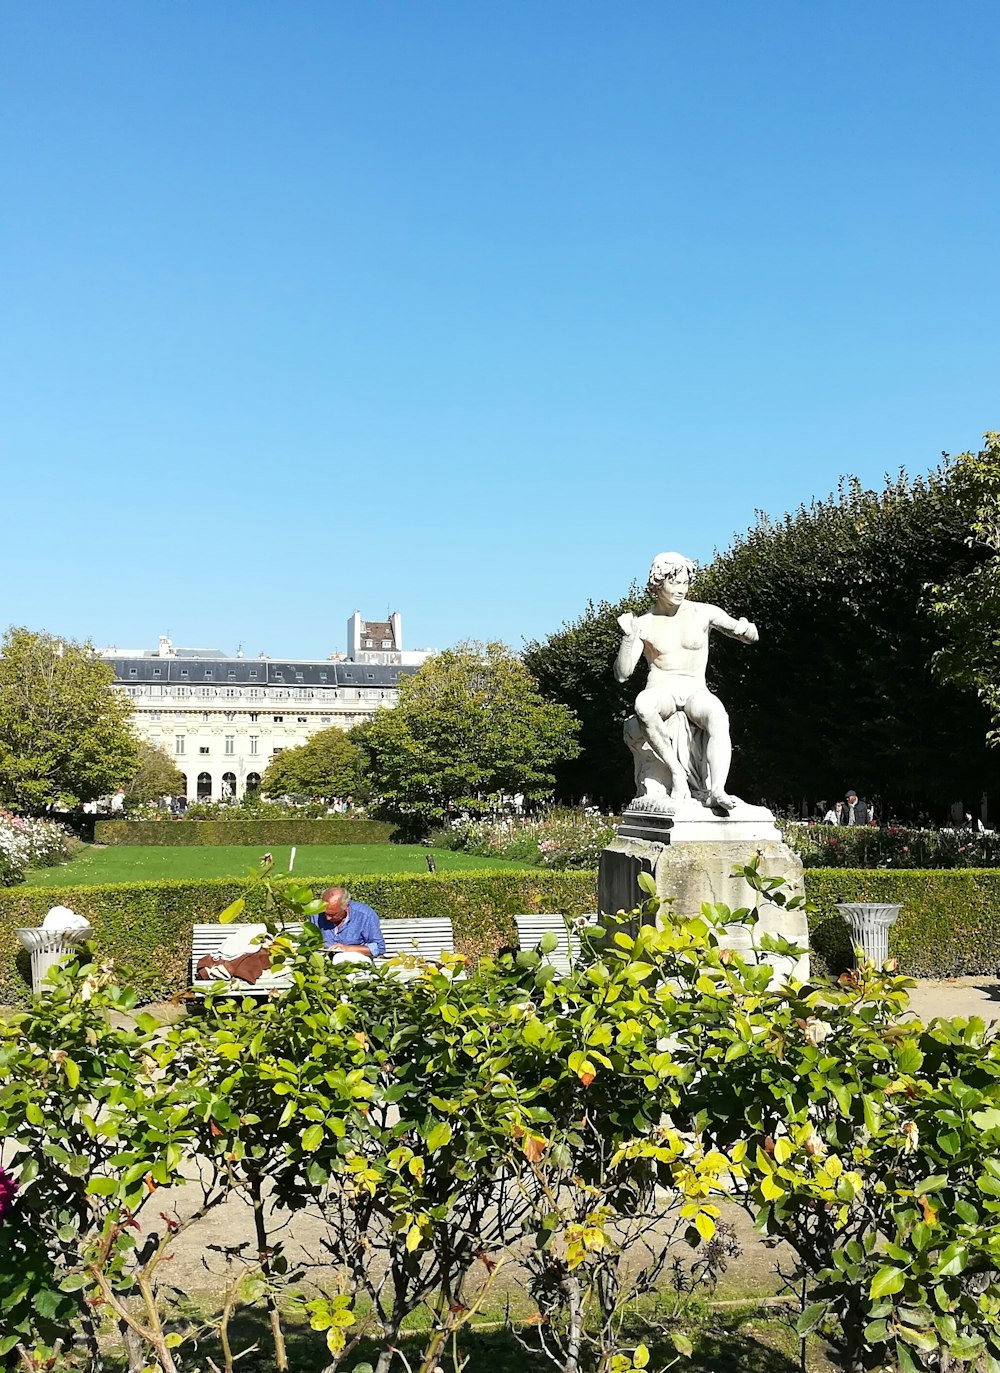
(336, 901)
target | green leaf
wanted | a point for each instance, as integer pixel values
(438, 1136)
(312, 1138)
(886, 1282)
(954, 1260)
(233, 911)
(549, 942)
(810, 1318)
(647, 883)
(102, 1187)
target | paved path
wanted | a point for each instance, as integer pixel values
(957, 996)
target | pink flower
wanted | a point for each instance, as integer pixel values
(8, 1190)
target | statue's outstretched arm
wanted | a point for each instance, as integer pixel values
(631, 648)
(741, 629)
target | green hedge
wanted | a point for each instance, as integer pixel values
(949, 925)
(146, 926)
(333, 829)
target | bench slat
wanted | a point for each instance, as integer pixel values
(530, 929)
(425, 937)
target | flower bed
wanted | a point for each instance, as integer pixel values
(559, 839)
(890, 846)
(28, 843)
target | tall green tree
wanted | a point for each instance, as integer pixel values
(470, 723)
(326, 765)
(966, 609)
(156, 774)
(839, 692)
(65, 735)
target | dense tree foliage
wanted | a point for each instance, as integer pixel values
(156, 774)
(840, 690)
(470, 723)
(966, 609)
(327, 765)
(64, 730)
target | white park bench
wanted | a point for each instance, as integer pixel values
(425, 938)
(530, 929)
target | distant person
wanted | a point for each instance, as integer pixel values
(118, 801)
(976, 826)
(832, 816)
(351, 932)
(854, 811)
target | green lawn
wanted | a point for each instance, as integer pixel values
(93, 866)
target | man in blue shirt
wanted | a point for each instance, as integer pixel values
(350, 929)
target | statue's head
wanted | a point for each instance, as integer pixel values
(671, 570)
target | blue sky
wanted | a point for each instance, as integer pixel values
(467, 310)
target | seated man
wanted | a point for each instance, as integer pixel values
(350, 930)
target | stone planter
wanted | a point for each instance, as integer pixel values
(48, 947)
(869, 923)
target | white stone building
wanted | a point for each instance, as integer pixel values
(222, 719)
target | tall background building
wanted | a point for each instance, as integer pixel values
(222, 719)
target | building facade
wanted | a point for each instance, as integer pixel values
(222, 719)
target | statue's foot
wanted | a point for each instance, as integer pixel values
(680, 793)
(721, 800)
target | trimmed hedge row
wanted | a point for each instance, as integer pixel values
(146, 926)
(949, 925)
(332, 829)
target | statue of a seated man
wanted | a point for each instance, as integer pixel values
(679, 734)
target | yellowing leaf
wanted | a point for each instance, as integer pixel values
(705, 1225)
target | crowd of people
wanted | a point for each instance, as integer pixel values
(856, 810)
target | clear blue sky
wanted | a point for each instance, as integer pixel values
(465, 309)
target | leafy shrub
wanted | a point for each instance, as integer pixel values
(562, 838)
(440, 1127)
(890, 846)
(145, 927)
(283, 827)
(867, 1142)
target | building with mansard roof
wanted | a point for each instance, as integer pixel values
(222, 719)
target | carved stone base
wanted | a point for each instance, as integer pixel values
(691, 853)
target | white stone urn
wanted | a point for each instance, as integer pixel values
(59, 932)
(869, 923)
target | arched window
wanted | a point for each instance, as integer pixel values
(253, 781)
(204, 786)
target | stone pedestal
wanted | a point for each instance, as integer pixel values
(691, 852)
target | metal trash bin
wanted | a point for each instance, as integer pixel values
(48, 947)
(869, 923)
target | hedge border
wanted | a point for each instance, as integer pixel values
(949, 925)
(145, 927)
(331, 829)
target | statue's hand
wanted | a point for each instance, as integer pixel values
(628, 623)
(749, 634)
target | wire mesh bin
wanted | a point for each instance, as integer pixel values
(48, 947)
(869, 923)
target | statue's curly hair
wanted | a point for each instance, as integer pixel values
(665, 566)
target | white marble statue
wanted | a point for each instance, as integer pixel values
(679, 735)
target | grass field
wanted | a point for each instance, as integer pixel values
(93, 865)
